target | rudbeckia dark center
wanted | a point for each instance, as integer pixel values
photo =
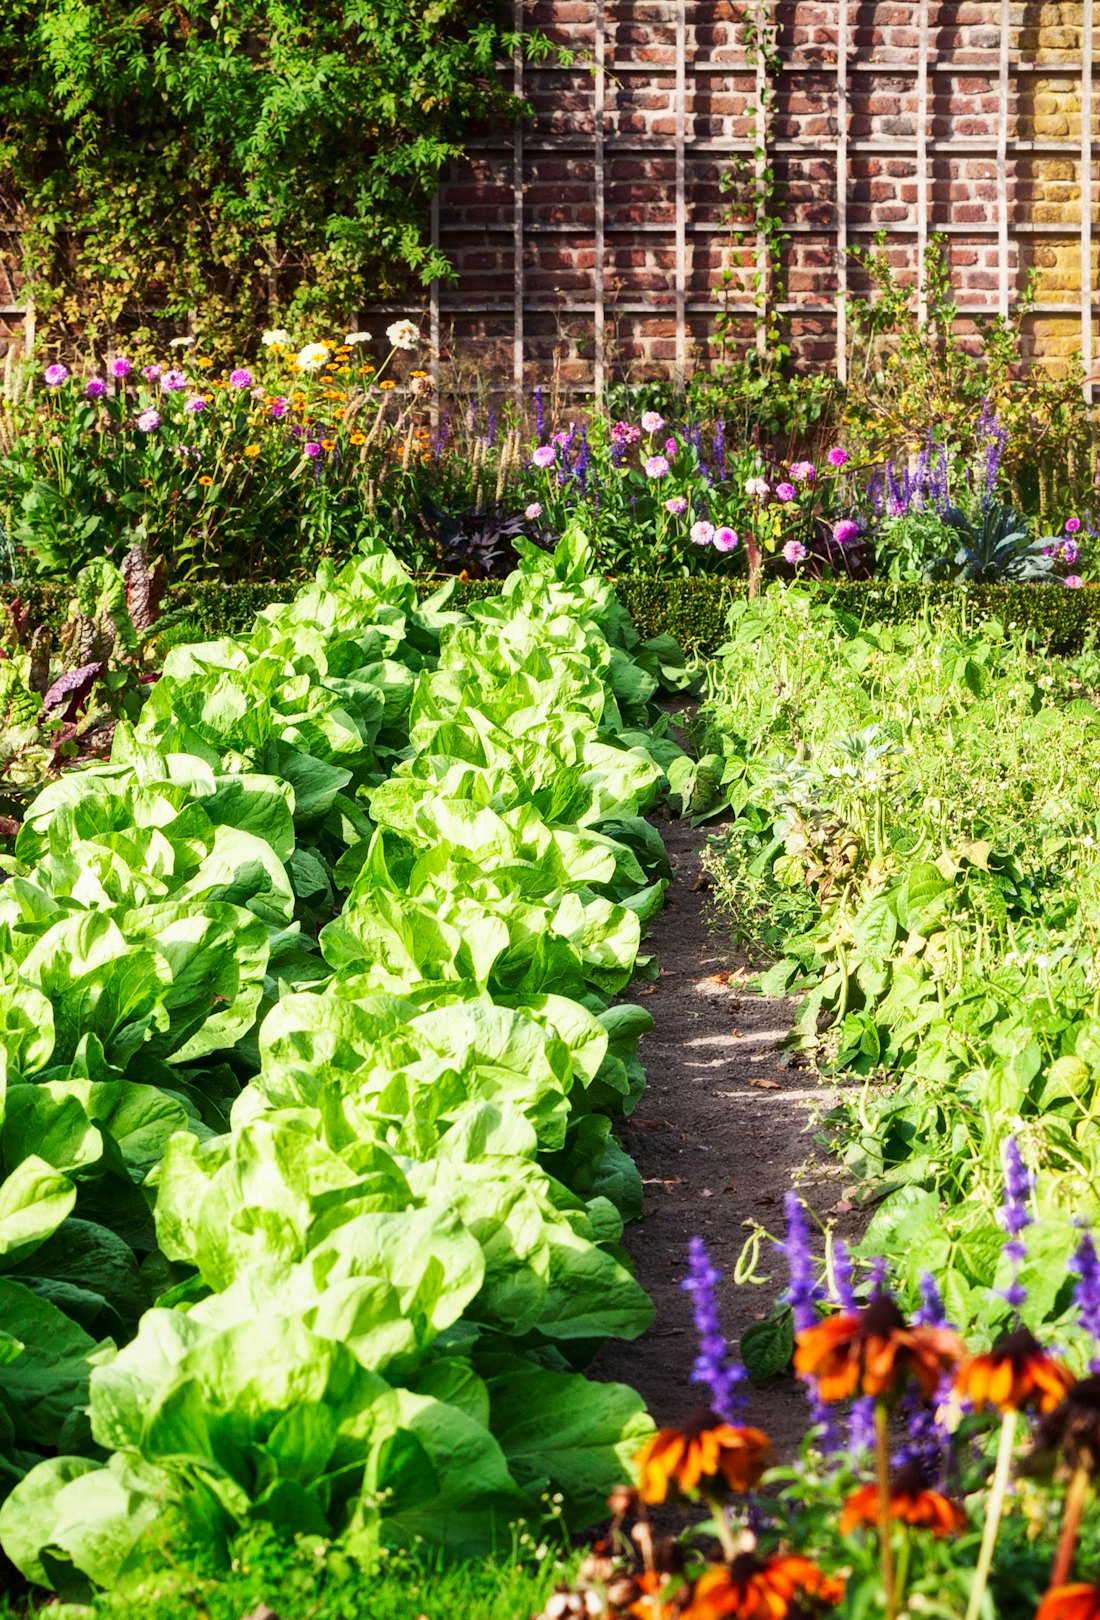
(881, 1318)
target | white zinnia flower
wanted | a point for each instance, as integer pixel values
(356, 337)
(180, 343)
(403, 335)
(278, 336)
(313, 356)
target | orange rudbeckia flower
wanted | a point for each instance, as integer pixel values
(911, 1500)
(1078, 1601)
(874, 1352)
(754, 1588)
(704, 1451)
(1073, 1428)
(1015, 1374)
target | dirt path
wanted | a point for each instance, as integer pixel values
(719, 1137)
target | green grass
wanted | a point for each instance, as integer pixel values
(307, 1583)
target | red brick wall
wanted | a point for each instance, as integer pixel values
(477, 197)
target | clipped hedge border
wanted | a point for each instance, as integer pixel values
(692, 610)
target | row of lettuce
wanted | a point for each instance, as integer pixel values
(915, 849)
(311, 1201)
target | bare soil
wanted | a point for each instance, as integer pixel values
(723, 1130)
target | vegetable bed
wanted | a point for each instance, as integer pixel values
(312, 1201)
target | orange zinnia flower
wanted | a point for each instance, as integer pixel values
(205, 482)
(1077, 1601)
(389, 383)
(705, 1451)
(911, 1500)
(328, 444)
(875, 1352)
(1015, 1374)
(651, 1602)
(251, 450)
(358, 438)
(753, 1588)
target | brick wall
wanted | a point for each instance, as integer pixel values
(639, 127)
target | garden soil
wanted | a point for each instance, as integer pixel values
(725, 1127)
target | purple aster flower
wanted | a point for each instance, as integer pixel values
(786, 492)
(1073, 581)
(311, 448)
(794, 551)
(1086, 1266)
(836, 456)
(173, 381)
(149, 421)
(714, 1365)
(241, 378)
(95, 388)
(1073, 525)
(844, 531)
(656, 467)
(544, 456)
(55, 375)
(120, 368)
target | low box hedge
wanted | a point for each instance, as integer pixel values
(693, 610)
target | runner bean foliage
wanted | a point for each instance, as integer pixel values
(311, 1201)
(914, 847)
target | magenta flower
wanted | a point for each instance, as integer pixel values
(55, 375)
(194, 403)
(1074, 581)
(794, 551)
(151, 373)
(1072, 525)
(656, 467)
(120, 368)
(1071, 551)
(242, 378)
(702, 532)
(725, 539)
(671, 448)
(173, 381)
(563, 438)
(837, 457)
(279, 406)
(533, 511)
(844, 531)
(311, 448)
(786, 492)
(677, 505)
(803, 472)
(625, 433)
(545, 456)
(95, 388)
(149, 421)
(652, 422)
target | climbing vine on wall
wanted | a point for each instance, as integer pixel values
(234, 163)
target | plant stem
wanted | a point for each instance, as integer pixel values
(723, 1528)
(993, 1511)
(1071, 1524)
(882, 1475)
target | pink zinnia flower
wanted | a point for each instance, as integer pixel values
(55, 375)
(671, 448)
(194, 404)
(625, 433)
(150, 373)
(1071, 551)
(677, 505)
(533, 511)
(656, 467)
(1072, 525)
(803, 472)
(837, 457)
(757, 486)
(844, 531)
(311, 448)
(148, 421)
(95, 388)
(702, 532)
(725, 539)
(241, 378)
(786, 492)
(279, 406)
(652, 422)
(173, 381)
(545, 456)
(794, 551)
(120, 368)
(1074, 581)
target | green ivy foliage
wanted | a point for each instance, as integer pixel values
(234, 163)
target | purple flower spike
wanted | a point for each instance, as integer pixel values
(846, 1296)
(1015, 1217)
(804, 1291)
(1086, 1265)
(714, 1365)
(931, 1313)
